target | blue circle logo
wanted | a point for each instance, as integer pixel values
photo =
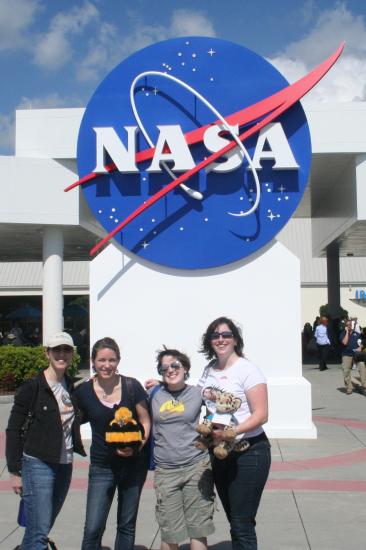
(190, 154)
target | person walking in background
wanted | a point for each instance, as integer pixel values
(316, 322)
(323, 342)
(112, 469)
(240, 478)
(352, 345)
(183, 476)
(40, 461)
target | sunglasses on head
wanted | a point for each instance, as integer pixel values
(225, 334)
(65, 349)
(176, 365)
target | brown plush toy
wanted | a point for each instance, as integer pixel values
(225, 405)
(124, 431)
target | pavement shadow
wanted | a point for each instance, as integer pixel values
(356, 389)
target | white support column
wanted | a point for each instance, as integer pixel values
(53, 251)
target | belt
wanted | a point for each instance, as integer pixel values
(256, 439)
(247, 442)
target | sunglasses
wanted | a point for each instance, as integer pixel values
(226, 334)
(65, 349)
(176, 365)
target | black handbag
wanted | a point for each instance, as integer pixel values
(360, 356)
(311, 346)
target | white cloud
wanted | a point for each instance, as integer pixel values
(109, 45)
(188, 22)
(346, 80)
(49, 101)
(16, 17)
(56, 47)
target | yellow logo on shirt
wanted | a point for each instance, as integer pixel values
(172, 406)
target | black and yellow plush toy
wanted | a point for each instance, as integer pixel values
(124, 431)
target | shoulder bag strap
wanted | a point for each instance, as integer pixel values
(130, 393)
(29, 418)
(151, 440)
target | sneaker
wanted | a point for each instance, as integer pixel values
(349, 391)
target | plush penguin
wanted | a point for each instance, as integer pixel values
(124, 431)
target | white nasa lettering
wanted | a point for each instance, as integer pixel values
(214, 142)
(172, 137)
(108, 142)
(280, 150)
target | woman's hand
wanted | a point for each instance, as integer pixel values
(16, 484)
(150, 383)
(126, 452)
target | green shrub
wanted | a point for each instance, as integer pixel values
(324, 312)
(19, 363)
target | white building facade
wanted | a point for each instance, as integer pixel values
(45, 235)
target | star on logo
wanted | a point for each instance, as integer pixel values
(211, 52)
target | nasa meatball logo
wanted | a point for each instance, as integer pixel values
(195, 152)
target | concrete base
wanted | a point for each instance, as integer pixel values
(144, 307)
(290, 415)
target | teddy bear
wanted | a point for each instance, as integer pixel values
(222, 406)
(124, 431)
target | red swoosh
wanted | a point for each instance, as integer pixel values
(275, 105)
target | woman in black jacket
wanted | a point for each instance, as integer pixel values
(40, 461)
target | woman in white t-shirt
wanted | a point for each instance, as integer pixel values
(240, 478)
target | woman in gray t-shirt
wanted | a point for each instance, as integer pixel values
(183, 476)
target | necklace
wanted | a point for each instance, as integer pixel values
(105, 393)
(176, 394)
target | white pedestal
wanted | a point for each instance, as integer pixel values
(144, 307)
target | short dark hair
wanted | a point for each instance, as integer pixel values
(206, 347)
(103, 343)
(182, 358)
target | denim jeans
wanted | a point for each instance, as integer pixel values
(45, 488)
(128, 478)
(240, 479)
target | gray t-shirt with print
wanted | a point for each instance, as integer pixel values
(175, 416)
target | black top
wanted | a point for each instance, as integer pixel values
(100, 416)
(45, 436)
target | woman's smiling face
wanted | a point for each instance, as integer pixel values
(222, 341)
(105, 363)
(172, 371)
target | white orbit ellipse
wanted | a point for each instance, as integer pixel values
(188, 190)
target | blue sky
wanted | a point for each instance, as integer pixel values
(53, 53)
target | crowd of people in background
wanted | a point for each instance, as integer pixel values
(342, 341)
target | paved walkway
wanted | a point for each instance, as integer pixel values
(315, 497)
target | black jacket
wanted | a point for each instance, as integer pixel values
(45, 436)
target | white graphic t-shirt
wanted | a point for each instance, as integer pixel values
(235, 380)
(67, 414)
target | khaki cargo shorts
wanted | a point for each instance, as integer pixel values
(185, 501)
